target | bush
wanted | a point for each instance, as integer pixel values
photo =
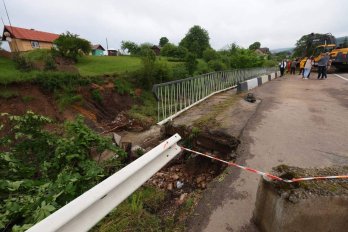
(96, 96)
(210, 54)
(38, 54)
(179, 72)
(191, 63)
(217, 65)
(42, 170)
(53, 81)
(8, 94)
(22, 63)
(170, 50)
(122, 86)
(71, 47)
(50, 64)
(162, 72)
(202, 67)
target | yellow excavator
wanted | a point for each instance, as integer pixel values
(338, 56)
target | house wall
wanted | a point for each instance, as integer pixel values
(97, 52)
(25, 45)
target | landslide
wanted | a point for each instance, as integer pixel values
(102, 106)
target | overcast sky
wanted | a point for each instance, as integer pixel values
(275, 23)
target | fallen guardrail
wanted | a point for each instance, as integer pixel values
(88, 209)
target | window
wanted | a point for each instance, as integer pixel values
(35, 44)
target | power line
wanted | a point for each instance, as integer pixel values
(8, 17)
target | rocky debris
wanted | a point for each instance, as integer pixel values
(137, 150)
(107, 154)
(250, 98)
(117, 139)
(305, 189)
(179, 184)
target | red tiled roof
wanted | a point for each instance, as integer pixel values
(27, 34)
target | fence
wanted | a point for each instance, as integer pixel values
(177, 96)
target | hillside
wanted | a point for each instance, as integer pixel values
(106, 65)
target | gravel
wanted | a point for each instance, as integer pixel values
(312, 188)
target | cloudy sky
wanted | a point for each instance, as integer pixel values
(275, 23)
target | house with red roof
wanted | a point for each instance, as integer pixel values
(22, 40)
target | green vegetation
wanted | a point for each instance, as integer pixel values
(42, 170)
(163, 41)
(196, 41)
(37, 54)
(123, 86)
(63, 85)
(146, 111)
(70, 46)
(134, 214)
(96, 96)
(107, 65)
(255, 46)
(7, 94)
(10, 74)
(209, 120)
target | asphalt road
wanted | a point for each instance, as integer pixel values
(298, 122)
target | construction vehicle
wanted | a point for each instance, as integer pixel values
(327, 43)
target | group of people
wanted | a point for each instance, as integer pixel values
(306, 66)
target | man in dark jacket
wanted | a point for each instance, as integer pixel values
(282, 66)
(322, 64)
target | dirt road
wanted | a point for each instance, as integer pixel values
(298, 122)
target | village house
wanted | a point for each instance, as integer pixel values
(97, 50)
(156, 49)
(22, 40)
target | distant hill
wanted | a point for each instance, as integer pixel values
(282, 50)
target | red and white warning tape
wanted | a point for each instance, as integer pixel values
(273, 177)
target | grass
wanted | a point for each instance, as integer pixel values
(7, 94)
(107, 65)
(146, 112)
(134, 214)
(37, 54)
(209, 119)
(9, 73)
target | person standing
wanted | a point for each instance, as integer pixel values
(302, 64)
(282, 66)
(288, 66)
(307, 68)
(322, 66)
(293, 67)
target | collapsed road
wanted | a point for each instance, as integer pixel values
(296, 122)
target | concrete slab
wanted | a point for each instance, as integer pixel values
(264, 78)
(252, 83)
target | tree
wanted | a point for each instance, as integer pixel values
(255, 46)
(210, 54)
(171, 50)
(148, 58)
(191, 63)
(306, 44)
(71, 46)
(131, 47)
(344, 45)
(196, 41)
(163, 41)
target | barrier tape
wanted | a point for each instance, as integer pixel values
(264, 174)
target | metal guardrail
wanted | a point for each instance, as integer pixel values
(85, 211)
(175, 97)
